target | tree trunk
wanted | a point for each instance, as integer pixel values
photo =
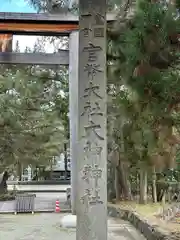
(126, 186)
(169, 195)
(19, 170)
(111, 193)
(3, 184)
(117, 184)
(124, 168)
(143, 186)
(114, 159)
(160, 192)
(154, 190)
(161, 187)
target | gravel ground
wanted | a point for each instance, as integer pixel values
(46, 226)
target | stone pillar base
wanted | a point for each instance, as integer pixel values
(68, 221)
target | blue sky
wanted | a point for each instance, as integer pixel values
(15, 6)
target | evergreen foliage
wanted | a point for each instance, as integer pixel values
(31, 129)
(143, 74)
(143, 52)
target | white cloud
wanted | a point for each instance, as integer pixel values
(29, 41)
(24, 41)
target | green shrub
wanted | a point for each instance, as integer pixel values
(7, 196)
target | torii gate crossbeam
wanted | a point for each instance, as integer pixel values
(41, 24)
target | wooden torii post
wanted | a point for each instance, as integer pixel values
(6, 42)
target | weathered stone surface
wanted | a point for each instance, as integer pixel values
(73, 116)
(92, 125)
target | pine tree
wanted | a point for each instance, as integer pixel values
(144, 57)
(31, 129)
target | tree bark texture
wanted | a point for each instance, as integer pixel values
(143, 186)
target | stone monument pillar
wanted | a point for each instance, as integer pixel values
(92, 143)
(73, 113)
